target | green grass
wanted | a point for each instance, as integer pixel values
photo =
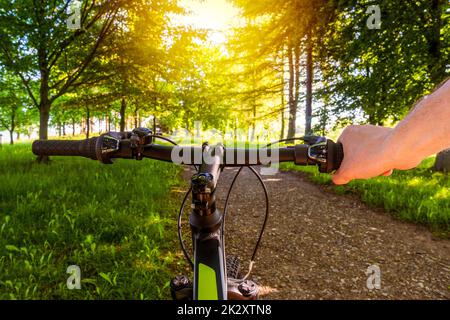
(419, 195)
(116, 222)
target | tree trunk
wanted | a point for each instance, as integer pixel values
(44, 101)
(92, 125)
(108, 120)
(136, 117)
(373, 117)
(88, 122)
(252, 136)
(324, 116)
(296, 76)
(442, 162)
(154, 124)
(292, 106)
(123, 108)
(254, 86)
(44, 114)
(283, 122)
(73, 126)
(13, 125)
(309, 83)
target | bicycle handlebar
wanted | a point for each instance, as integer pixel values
(84, 148)
(327, 154)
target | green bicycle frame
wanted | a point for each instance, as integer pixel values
(206, 222)
(209, 268)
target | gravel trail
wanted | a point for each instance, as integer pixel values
(319, 245)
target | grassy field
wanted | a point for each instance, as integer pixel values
(116, 222)
(419, 195)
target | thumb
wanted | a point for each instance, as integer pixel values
(338, 179)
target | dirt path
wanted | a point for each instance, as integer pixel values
(318, 245)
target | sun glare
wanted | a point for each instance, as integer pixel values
(218, 16)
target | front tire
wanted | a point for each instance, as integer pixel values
(233, 267)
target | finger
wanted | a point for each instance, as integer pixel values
(339, 180)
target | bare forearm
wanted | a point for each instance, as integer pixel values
(371, 151)
(425, 131)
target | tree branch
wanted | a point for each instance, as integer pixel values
(21, 76)
(54, 56)
(3, 124)
(71, 79)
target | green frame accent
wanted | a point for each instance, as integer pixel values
(207, 283)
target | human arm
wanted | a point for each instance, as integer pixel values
(370, 151)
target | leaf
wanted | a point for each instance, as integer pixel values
(11, 247)
(106, 277)
(89, 280)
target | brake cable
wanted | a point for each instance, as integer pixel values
(284, 140)
(164, 138)
(252, 260)
(266, 216)
(180, 236)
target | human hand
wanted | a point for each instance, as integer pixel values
(366, 153)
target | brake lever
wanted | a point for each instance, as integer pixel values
(108, 144)
(317, 148)
(139, 138)
(318, 152)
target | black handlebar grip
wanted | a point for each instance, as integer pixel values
(335, 155)
(84, 148)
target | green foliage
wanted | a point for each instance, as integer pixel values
(130, 61)
(382, 72)
(419, 195)
(16, 113)
(117, 223)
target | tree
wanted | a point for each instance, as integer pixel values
(382, 72)
(13, 105)
(138, 56)
(292, 28)
(45, 54)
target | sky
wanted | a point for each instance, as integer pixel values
(216, 15)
